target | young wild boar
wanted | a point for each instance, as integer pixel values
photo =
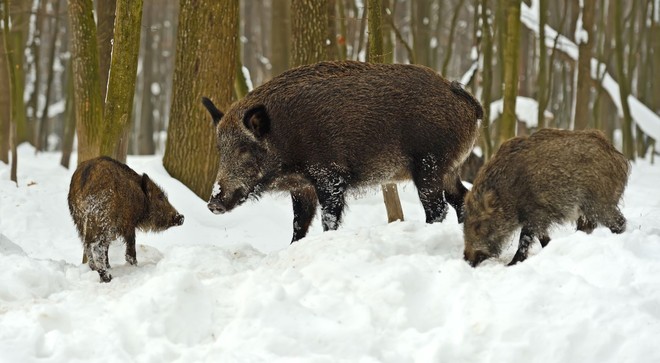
(108, 200)
(552, 176)
(322, 129)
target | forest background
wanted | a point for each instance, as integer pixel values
(126, 76)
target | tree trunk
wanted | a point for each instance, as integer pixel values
(309, 19)
(145, 128)
(11, 66)
(105, 13)
(280, 35)
(585, 46)
(421, 30)
(205, 61)
(42, 142)
(450, 40)
(5, 101)
(86, 84)
(542, 80)
(624, 85)
(374, 9)
(487, 79)
(508, 121)
(69, 118)
(20, 15)
(121, 82)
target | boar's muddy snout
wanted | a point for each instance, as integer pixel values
(216, 206)
(178, 219)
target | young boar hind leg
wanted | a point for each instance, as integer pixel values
(614, 220)
(131, 256)
(586, 225)
(304, 208)
(98, 260)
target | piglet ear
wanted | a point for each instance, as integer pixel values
(216, 114)
(256, 120)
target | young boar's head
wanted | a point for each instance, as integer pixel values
(160, 214)
(485, 227)
(245, 166)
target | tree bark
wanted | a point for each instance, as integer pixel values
(508, 121)
(585, 46)
(69, 118)
(280, 34)
(15, 43)
(88, 102)
(105, 13)
(42, 142)
(309, 19)
(624, 85)
(487, 79)
(5, 101)
(145, 129)
(121, 81)
(12, 67)
(205, 61)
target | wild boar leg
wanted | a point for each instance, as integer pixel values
(331, 192)
(526, 239)
(455, 194)
(429, 182)
(130, 255)
(99, 260)
(614, 220)
(304, 208)
(585, 224)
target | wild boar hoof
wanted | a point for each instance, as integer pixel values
(131, 260)
(105, 276)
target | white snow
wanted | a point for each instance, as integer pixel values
(229, 288)
(526, 111)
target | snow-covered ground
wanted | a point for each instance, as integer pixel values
(229, 288)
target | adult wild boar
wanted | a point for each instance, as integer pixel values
(322, 129)
(109, 200)
(552, 176)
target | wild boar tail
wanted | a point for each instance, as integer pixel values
(457, 88)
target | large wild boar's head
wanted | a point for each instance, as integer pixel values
(245, 166)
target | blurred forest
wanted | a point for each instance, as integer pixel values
(126, 76)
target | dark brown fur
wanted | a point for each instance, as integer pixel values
(320, 130)
(552, 176)
(108, 200)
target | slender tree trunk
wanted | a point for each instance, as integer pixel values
(509, 121)
(450, 40)
(374, 9)
(624, 85)
(145, 130)
(205, 61)
(421, 29)
(42, 142)
(486, 95)
(343, 36)
(88, 102)
(7, 51)
(69, 118)
(5, 101)
(20, 18)
(585, 46)
(121, 83)
(542, 80)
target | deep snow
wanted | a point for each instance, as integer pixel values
(229, 288)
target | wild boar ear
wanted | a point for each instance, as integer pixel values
(490, 202)
(144, 183)
(216, 114)
(257, 121)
